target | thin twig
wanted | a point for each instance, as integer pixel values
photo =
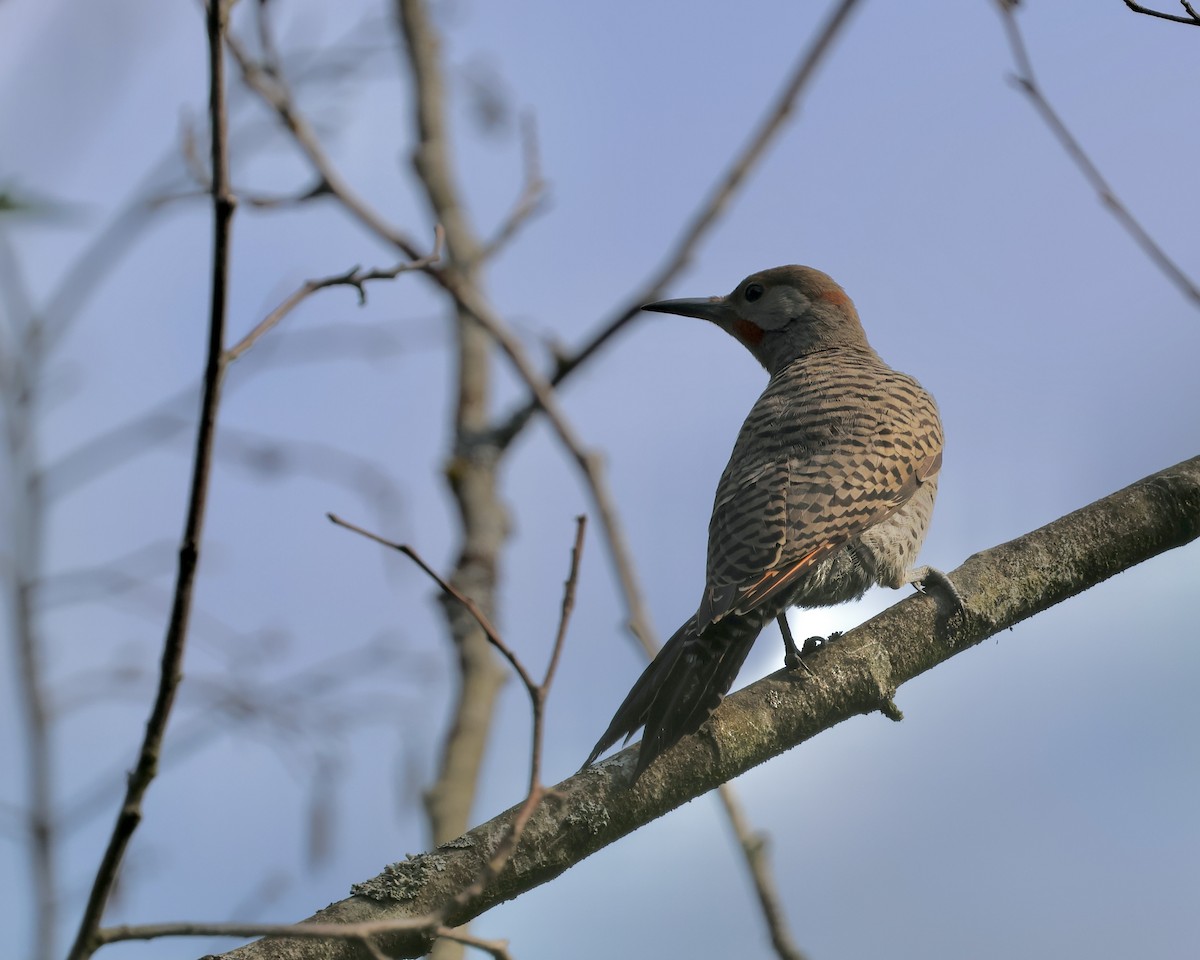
(246, 198)
(705, 216)
(175, 640)
(1192, 18)
(361, 932)
(190, 151)
(273, 90)
(354, 277)
(1026, 82)
(754, 849)
(532, 198)
(497, 948)
(22, 363)
(468, 604)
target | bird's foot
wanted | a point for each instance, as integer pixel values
(794, 656)
(925, 577)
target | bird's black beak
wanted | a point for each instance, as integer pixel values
(705, 308)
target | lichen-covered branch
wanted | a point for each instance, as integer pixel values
(858, 674)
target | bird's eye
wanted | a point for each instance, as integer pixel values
(753, 292)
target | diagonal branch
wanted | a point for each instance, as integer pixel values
(1026, 81)
(706, 215)
(856, 675)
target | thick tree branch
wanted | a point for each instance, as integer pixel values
(858, 674)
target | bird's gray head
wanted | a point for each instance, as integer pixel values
(779, 314)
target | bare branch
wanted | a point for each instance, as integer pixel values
(708, 213)
(175, 640)
(1028, 84)
(1193, 18)
(590, 464)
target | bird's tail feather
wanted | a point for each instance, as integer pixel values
(680, 688)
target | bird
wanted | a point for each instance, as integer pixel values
(829, 491)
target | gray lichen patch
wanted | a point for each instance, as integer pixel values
(587, 815)
(400, 882)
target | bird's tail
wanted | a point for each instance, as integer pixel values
(682, 685)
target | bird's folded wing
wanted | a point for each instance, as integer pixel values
(776, 520)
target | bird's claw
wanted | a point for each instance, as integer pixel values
(794, 656)
(928, 577)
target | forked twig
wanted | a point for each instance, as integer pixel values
(354, 277)
(1192, 18)
(538, 692)
(433, 923)
(533, 193)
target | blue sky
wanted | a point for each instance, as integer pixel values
(1038, 799)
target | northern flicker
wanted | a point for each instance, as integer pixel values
(828, 491)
